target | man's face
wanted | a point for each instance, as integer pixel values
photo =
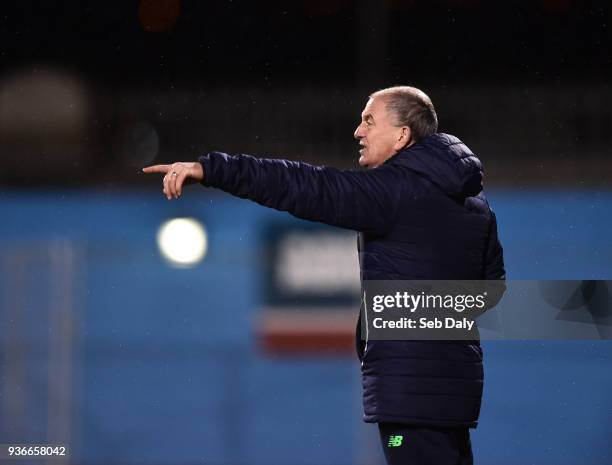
(378, 137)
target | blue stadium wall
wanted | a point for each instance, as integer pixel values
(166, 365)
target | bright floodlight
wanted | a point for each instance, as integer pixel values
(182, 241)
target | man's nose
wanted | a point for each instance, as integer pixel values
(358, 134)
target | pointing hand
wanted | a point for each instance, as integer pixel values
(177, 174)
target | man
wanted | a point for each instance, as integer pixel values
(421, 215)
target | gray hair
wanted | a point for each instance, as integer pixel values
(411, 107)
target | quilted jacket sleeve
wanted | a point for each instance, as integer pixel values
(494, 260)
(364, 201)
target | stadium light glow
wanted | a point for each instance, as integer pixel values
(183, 242)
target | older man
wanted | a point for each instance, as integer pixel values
(421, 215)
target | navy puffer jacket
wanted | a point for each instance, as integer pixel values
(421, 215)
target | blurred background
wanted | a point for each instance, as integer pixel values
(211, 330)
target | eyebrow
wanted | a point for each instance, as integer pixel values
(368, 117)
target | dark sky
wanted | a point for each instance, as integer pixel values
(333, 42)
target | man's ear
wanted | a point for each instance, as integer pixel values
(404, 139)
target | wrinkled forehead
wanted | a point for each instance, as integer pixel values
(374, 108)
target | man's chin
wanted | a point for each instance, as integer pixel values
(364, 163)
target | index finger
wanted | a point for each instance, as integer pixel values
(157, 169)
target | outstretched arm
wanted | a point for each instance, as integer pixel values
(359, 200)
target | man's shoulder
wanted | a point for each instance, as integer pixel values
(478, 204)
